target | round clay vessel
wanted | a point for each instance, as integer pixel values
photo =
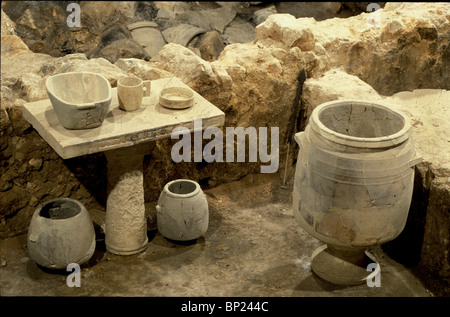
(81, 100)
(353, 183)
(61, 232)
(182, 211)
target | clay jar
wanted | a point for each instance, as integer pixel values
(130, 91)
(353, 184)
(61, 232)
(182, 211)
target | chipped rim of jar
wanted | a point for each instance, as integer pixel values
(363, 142)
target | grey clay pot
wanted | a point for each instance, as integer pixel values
(182, 211)
(61, 232)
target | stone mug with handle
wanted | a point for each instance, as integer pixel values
(130, 91)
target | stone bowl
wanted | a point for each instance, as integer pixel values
(176, 98)
(81, 100)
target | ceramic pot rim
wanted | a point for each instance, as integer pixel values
(175, 195)
(42, 205)
(51, 90)
(371, 142)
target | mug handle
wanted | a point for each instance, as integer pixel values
(146, 86)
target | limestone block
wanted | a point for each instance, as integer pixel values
(33, 87)
(334, 85)
(185, 64)
(25, 72)
(258, 77)
(429, 111)
(288, 30)
(12, 44)
(209, 79)
(142, 69)
(8, 26)
(43, 25)
(382, 55)
(79, 63)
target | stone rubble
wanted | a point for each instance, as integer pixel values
(234, 21)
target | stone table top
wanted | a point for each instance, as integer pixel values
(121, 128)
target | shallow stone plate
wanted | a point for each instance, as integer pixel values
(176, 98)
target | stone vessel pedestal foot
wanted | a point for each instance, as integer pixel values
(343, 265)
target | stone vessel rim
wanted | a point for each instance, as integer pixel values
(44, 204)
(125, 81)
(50, 88)
(367, 142)
(176, 195)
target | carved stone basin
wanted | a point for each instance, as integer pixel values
(80, 99)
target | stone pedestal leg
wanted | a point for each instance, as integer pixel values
(126, 224)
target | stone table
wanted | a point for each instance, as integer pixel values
(125, 138)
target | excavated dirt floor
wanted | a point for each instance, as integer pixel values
(253, 247)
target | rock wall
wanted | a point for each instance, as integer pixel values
(255, 84)
(42, 25)
(103, 32)
(381, 54)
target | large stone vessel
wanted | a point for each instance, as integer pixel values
(353, 184)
